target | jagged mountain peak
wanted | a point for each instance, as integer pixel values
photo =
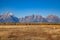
(33, 18)
(8, 14)
(8, 17)
(52, 16)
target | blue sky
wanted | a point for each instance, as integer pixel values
(21, 8)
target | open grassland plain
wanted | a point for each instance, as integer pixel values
(30, 32)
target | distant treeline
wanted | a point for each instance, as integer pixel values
(30, 23)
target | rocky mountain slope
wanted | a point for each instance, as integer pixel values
(7, 17)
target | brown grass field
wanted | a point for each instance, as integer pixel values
(30, 32)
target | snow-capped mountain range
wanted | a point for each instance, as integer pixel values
(7, 17)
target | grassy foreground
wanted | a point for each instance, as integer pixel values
(29, 32)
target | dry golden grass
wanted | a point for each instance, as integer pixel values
(29, 32)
